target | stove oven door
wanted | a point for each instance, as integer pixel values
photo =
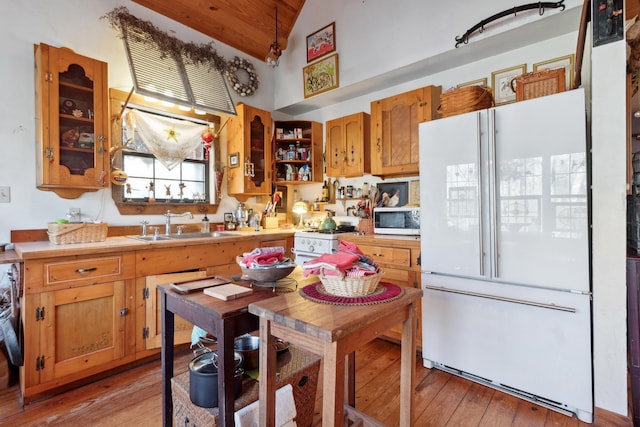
(302, 257)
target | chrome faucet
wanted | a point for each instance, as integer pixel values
(167, 223)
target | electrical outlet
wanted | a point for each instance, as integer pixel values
(5, 194)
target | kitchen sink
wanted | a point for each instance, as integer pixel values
(182, 236)
(198, 235)
(150, 238)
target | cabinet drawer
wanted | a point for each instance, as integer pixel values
(84, 271)
(398, 257)
(393, 275)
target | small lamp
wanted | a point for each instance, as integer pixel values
(299, 209)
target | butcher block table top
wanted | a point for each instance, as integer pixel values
(335, 332)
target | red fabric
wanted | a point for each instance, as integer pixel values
(346, 246)
(339, 261)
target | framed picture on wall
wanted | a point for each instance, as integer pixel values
(234, 160)
(321, 42)
(479, 82)
(393, 194)
(565, 62)
(501, 83)
(320, 76)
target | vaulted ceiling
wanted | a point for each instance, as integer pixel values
(246, 25)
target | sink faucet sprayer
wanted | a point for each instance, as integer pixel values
(167, 224)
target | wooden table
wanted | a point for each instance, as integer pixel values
(223, 319)
(335, 332)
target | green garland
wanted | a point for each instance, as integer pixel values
(198, 54)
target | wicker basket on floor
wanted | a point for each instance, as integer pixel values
(295, 367)
(345, 286)
(464, 100)
(76, 233)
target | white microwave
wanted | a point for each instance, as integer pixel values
(399, 220)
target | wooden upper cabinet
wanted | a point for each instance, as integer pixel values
(394, 130)
(249, 143)
(347, 145)
(71, 122)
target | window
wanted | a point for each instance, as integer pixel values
(158, 181)
(148, 177)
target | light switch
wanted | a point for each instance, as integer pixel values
(5, 194)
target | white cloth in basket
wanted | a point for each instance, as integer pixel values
(285, 410)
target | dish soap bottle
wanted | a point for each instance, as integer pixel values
(205, 224)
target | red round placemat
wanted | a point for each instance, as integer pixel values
(385, 292)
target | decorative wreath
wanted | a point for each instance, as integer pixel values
(244, 89)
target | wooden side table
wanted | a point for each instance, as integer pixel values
(335, 332)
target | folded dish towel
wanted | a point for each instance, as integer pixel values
(260, 257)
(285, 410)
(339, 262)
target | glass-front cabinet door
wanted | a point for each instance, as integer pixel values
(249, 146)
(71, 122)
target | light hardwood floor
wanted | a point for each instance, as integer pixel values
(133, 398)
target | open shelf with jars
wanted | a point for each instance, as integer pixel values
(297, 152)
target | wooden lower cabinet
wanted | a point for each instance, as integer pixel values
(74, 329)
(398, 258)
(83, 315)
(152, 330)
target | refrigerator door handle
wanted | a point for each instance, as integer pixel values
(479, 194)
(505, 299)
(493, 193)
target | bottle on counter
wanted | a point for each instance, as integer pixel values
(365, 190)
(325, 192)
(205, 224)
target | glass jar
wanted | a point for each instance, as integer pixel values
(365, 189)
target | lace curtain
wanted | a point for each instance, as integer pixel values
(170, 140)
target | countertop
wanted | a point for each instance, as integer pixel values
(412, 241)
(46, 249)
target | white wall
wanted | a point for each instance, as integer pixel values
(75, 24)
(609, 225)
(384, 48)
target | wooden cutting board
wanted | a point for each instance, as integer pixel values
(197, 284)
(228, 292)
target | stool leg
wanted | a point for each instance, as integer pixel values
(350, 385)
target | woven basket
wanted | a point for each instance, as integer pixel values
(366, 225)
(539, 83)
(298, 368)
(350, 286)
(465, 100)
(76, 233)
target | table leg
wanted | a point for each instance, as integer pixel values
(408, 368)
(226, 372)
(166, 356)
(333, 385)
(350, 385)
(267, 384)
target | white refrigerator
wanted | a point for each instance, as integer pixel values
(505, 250)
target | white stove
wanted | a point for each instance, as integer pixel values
(311, 244)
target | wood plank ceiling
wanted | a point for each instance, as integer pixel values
(246, 25)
